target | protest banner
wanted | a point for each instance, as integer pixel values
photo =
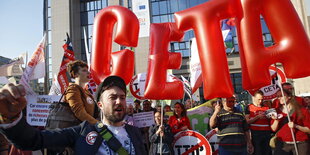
(270, 91)
(199, 117)
(38, 108)
(143, 119)
(191, 142)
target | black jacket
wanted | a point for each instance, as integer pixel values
(155, 139)
(25, 137)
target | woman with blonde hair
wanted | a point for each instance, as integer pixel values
(299, 123)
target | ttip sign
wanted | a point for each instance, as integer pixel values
(191, 142)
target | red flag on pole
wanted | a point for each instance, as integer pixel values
(68, 57)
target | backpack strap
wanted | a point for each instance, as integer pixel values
(112, 142)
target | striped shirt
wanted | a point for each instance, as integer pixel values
(231, 130)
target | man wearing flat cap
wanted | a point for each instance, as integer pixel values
(109, 136)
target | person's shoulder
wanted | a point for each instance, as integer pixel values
(305, 110)
(73, 86)
(131, 127)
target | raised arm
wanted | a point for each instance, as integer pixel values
(213, 119)
(12, 102)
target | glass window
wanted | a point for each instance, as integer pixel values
(90, 31)
(156, 19)
(91, 17)
(176, 46)
(82, 7)
(163, 7)
(268, 37)
(164, 19)
(182, 45)
(193, 3)
(155, 8)
(264, 26)
(84, 18)
(185, 53)
(182, 5)
(187, 44)
(174, 6)
(171, 18)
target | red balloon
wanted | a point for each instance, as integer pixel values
(291, 46)
(160, 60)
(205, 20)
(121, 63)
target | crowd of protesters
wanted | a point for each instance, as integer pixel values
(247, 128)
(241, 128)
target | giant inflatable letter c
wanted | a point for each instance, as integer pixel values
(120, 63)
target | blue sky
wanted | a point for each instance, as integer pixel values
(21, 27)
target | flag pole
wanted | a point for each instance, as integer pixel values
(86, 48)
(288, 114)
(161, 124)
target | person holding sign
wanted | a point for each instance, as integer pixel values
(155, 132)
(299, 123)
(109, 136)
(179, 121)
(259, 124)
(233, 130)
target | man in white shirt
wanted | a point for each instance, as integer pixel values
(102, 138)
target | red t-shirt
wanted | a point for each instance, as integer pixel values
(261, 123)
(176, 124)
(284, 134)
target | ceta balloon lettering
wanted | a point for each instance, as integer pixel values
(291, 46)
(160, 60)
(205, 20)
(120, 63)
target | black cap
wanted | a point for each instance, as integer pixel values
(109, 82)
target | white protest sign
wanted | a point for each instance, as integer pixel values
(143, 119)
(191, 142)
(137, 84)
(277, 76)
(212, 138)
(38, 108)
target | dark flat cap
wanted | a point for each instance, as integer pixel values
(109, 82)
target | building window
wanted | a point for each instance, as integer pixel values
(88, 13)
(162, 11)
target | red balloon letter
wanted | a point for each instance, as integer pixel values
(160, 60)
(205, 19)
(292, 46)
(122, 63)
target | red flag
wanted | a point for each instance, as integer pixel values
(68, 57)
